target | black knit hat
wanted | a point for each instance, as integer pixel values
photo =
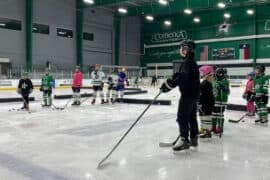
(188, 45)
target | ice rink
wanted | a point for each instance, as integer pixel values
(68, 145)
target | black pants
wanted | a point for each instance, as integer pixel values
(25, 100)
(187, 117)
(98, 88)
(76, 89)
(218, 116)
(48, 92)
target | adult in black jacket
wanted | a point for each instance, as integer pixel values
(188, 80)
(25, 88)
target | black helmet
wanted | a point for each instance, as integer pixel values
(220, 73)
(261, 68)
(225, 71)
(188, 45)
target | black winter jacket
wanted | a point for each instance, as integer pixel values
(188, 79)
(25, 86)
(207, 100)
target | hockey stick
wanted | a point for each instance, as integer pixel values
(62, 108)
(57, 108)
(240, 119)
(84, 100)
(169, 144)
(221, 117)
(126, 133)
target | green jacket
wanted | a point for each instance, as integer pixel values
(221, 91)
(261, 84)
(47, 82)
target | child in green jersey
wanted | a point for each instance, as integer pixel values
(46, 87)
(261, 83)
(221, 90)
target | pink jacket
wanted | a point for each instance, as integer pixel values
(77, 79)
(249, 86)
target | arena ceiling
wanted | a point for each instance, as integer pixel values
(163, 7)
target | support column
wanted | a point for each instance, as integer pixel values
(117, 36)
(79, 33)
(28, 35)
(255, 40)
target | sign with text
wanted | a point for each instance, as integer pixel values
(168, 37)
(223, 53)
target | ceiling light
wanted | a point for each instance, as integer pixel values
(89, 1)
(122, 10)
(221, 5)
(196, 20)
(250, 12)
(227, 15)
(167, 23)
(62, 33)
(149, 18)
(188, 11)
(163, 2)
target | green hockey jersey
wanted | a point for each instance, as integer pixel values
(47, 82)
(221, 91)
(261, 84)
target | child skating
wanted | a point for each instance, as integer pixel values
(249, 91)
(261, 83)
(206, 101)
(221, 93)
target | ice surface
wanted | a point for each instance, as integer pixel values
(65, 145)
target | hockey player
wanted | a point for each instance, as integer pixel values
(206, 101)
(153, 81)
(76, 86)
(136, 82)
(261, 83)
(188, 80)
(47, 82)
(221, 93)
(25, 88)
(249, 91)
(112, 83)
(97, 81)
(122, 79)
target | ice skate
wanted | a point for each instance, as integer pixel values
(206, 134)
(194, 142)
(93, 101)
(182, 144)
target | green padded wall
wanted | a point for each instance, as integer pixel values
(240, 25)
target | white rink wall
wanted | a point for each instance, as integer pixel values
(87, 82)
(37, 82)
